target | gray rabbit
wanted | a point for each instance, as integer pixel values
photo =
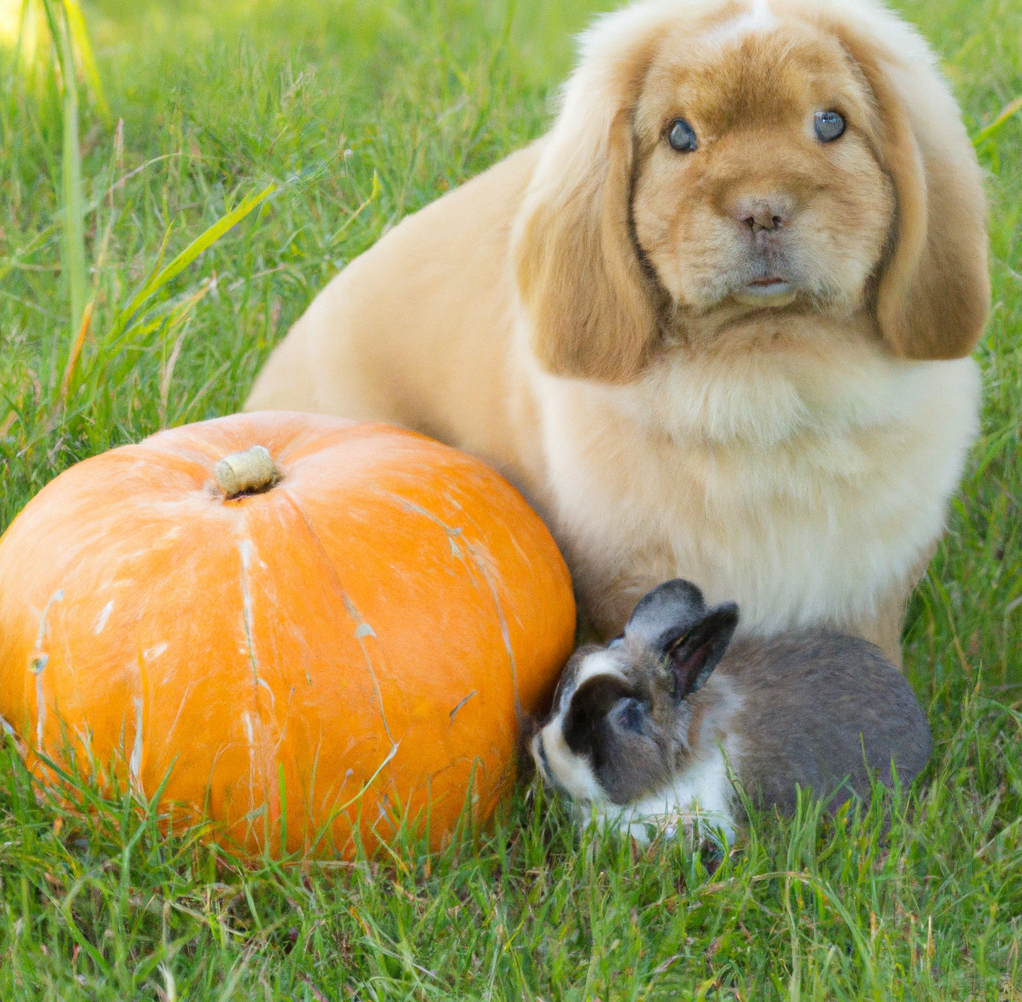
(645, 728)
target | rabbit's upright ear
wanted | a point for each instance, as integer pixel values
(695, 655)
(934, 289)
(665, 614)
(591, 309)
(673, 621)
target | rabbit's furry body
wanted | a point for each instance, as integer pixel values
(655, 727)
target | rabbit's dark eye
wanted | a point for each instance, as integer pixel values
(629, 715)
(829, 125)
(682, 136)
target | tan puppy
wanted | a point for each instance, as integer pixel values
(714, 324)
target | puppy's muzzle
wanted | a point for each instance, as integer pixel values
(758, 213)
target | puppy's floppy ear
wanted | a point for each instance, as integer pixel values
(591, 308)
(934, 290)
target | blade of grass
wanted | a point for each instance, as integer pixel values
(132, 322)
(201, 243)
(998, 123)
(71, 168)
(80, 37)
(76, 350)
(367, 201)
(73, 262)
(16, 61)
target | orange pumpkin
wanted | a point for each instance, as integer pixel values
(346, 642)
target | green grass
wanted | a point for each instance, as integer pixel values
(220, 100)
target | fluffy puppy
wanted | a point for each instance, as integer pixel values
(715, 324)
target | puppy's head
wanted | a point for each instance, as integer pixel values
(618, 728)
(757, 185)
(721, 160)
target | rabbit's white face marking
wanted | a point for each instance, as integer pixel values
(561, 768)
(557, 763)
(593, 662)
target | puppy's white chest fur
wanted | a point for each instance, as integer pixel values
(804, 485)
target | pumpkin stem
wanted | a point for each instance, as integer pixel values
(246, 472)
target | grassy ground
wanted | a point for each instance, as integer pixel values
(219, 99)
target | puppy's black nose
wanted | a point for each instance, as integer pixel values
(762, 213)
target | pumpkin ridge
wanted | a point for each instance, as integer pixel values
(362, 629)
(411, 506)
(349, 607)
(454, 534)
(505, 635)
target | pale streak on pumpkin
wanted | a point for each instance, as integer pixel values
(103, 618)
(40, 700)
(57, 596)
(39, 661)
(246, 719)
(477, 557)
(246, 548)
(452, 534)
(180, 707)
(135, 762)
(505, 634)
(363, 629)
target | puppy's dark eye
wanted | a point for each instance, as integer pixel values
(829, 125)
(629, 715)
(682, 136)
